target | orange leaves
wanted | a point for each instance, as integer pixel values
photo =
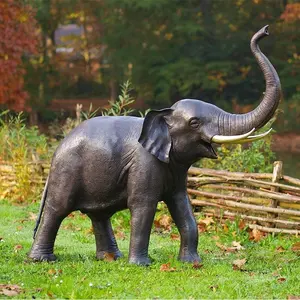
(163, 223)
(166, 268)
(205, 223)
(236, 246)
(17, 31)
(238, 263)
(18, 247)
(256, 235)
(296, 247)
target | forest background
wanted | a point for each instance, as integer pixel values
(55, 51)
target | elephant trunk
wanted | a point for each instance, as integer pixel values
(236, 124)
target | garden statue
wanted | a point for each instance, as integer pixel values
(108, 164)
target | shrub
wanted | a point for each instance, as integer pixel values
(21, 147)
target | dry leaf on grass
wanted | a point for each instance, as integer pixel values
(164, 222)
(175, 237)
(166, 268)
(54, 272)
(281, 279)
(202, 227)
(242, 224)
(18, 248)
(207, 221)
(293, 297)
(236, 246)
(197, 265)
(32, 216)
(120, 235)
(280, 249)
(10, 290)
(256, 235)
(109, 256)
(296, 247)
(238, 263)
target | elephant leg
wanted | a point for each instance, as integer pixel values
(42, 248)
(182, 214)
(106, 244)
(141, 223)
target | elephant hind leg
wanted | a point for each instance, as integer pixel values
(106, 245)
(42, 248)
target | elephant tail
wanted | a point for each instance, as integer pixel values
(41, 209)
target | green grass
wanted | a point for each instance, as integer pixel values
(77, 274)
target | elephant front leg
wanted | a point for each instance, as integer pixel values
(141, 223)
(106, 245)
(182, 214)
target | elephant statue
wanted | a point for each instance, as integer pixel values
(108, 164)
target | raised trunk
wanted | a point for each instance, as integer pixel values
(233, 124)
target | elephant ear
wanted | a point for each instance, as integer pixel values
(155, 136)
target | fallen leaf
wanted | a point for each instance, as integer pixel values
(166, 268)
(19, 228)
(214, 288)
(109, 256)
(293, 297)
(18, 248)
(202, 227)
(280, 249)
(50, 294)
(236, 247)
(256, 235)
(238, 263)
(32, 216)
(281, 279)
(164, 223)
(10, 290)
(207, 221)
(242, 224)
(51, 272)
(197, 265)
(54, 272)
(120, 235)
(296, 247)
(90, 230)
(175, 237)
(225, 228)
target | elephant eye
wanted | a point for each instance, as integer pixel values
(194, 123)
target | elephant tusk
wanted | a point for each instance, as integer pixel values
(230, 139)
(253, 138)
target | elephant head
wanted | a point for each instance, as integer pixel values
(187, 129)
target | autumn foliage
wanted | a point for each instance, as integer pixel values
(17, 38)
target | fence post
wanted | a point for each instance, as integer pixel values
(78, 113)
(277, 175)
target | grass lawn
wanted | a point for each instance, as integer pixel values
(272, 269)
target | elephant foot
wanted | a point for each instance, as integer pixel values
(109, 256)
(42, 252)
(141, 261)
(189, 258)
(39, 257)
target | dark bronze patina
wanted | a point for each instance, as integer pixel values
(107, 164)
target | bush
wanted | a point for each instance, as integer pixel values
(21, 146)
(258, 157)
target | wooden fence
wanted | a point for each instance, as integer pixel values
(268, 202)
